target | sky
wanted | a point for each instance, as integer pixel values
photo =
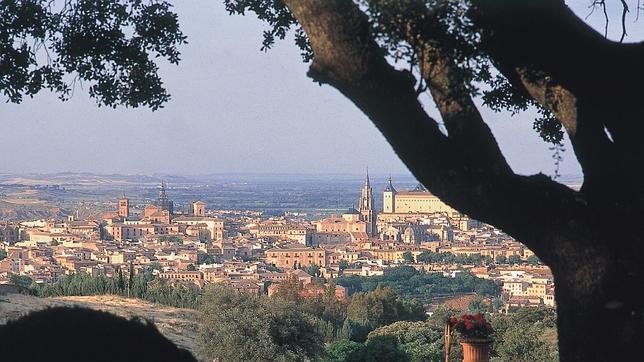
(234, 109)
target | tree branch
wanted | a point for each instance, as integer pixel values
(565, 66)
(464, 124)
(346, 57)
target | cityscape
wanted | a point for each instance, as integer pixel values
(257, 252)
(333, 181)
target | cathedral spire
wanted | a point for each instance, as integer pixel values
(366, 206)
(366, 180)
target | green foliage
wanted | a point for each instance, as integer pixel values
(205, 259)
(279, 20)
(312, 270)
(409, 283)
(533, 260)
(110, 44)
(346, 351)
(3, 254)
(409, 257)
(191, 267)
(343, 264)
(514, 259)
(420, 340)
(529, 334)
(290, 289)
(242, 327)
(157, 291)
(501, 259)
(428, 257)
(384, 348)
(370, 310)
(21, 280)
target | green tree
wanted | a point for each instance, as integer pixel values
(408, 257)
(242, 327)
(312, 270)
(514, 259)
(384, 348)
(20, 280)
(3, 254)
(44, 43)
(346, 351)
(120, 281)
(290, 290)
(343, 264)
(525, 335)
(420, 340)
(501, 259)
(533, 260)
(524, 344)
(130, 279)
(191, 267)
(368, 311)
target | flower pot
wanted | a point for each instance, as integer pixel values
(476, 349)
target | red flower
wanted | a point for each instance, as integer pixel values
(479, 318)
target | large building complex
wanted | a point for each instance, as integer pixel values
(416, 201)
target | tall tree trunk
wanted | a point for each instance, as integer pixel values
(600, 305)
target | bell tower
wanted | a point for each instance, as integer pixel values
(389, 198)
(124, 207)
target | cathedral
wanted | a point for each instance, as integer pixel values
(366, 207)
(162, 200)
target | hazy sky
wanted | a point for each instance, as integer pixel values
(233, 109)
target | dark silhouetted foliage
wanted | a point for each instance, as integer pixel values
(81, 334)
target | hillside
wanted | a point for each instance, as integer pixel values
(179, 325)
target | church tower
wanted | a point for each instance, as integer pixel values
(124, 207)
(366, 209)
(162, 200)
(389, 198)
(199, 208)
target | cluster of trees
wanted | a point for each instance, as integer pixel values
(528, 334)
(515, 259)
(143, 286)
(3, 254)
(409, 283)
(171, 239)
(399, 341)
(287, 326)
(428, 257)
(243, 327)
(375, 326)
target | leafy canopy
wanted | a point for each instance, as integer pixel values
(110, 44)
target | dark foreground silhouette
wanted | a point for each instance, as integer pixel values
(81, 334)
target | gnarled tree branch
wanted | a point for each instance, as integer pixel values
(346, 57)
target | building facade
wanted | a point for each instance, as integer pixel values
(416, 201)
